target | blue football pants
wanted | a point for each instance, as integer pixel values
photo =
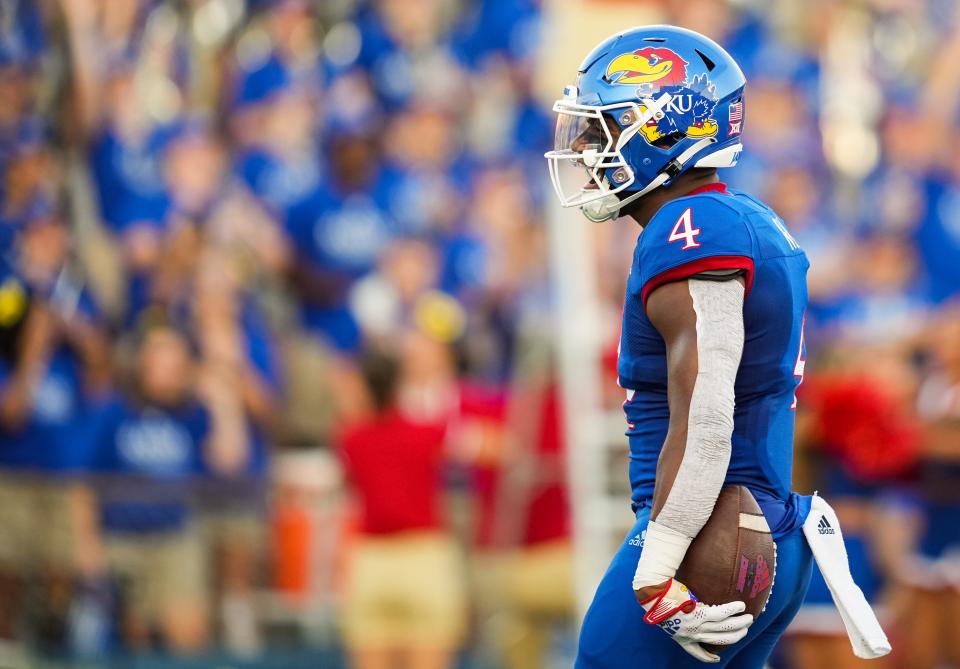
(614, 635)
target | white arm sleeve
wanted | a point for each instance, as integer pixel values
(719, 312)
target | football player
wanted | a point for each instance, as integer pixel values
(712, 345)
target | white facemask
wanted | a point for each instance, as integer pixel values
(597, 198)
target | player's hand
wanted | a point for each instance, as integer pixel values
(691, 623)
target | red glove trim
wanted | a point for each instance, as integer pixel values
(661, 610)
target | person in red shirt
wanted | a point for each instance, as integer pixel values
(522, 564)
(405, 593)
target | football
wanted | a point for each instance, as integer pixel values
(733, 558)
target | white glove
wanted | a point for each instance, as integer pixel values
(690, 622)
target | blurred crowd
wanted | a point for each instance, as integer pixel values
(249, 250)
(276, 320)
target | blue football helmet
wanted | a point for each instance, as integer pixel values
(676, 98)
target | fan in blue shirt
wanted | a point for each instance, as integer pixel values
(147, 448)
(338, 234)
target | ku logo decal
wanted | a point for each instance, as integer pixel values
(655, 71)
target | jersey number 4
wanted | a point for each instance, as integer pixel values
(683, 229)
(801, 363)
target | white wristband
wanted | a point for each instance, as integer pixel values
(663, 551)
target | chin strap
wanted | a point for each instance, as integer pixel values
(608, 208)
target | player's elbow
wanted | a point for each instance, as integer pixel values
(724, 355)
(711, 434)
(715, 452)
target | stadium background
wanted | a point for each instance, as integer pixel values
(230, 228)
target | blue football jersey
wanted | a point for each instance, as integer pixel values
(717, 229)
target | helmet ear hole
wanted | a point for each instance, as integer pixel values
(668, 141)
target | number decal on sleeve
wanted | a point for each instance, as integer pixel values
(683, 229)
(801, 362)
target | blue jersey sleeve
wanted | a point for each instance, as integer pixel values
(692, 235)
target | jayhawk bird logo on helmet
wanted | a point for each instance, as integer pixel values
(648, 65)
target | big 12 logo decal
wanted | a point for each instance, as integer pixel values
(652, 69)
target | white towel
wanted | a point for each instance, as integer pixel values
(822, 530)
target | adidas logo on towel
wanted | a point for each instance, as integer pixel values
(823, 527)
(638, 539)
